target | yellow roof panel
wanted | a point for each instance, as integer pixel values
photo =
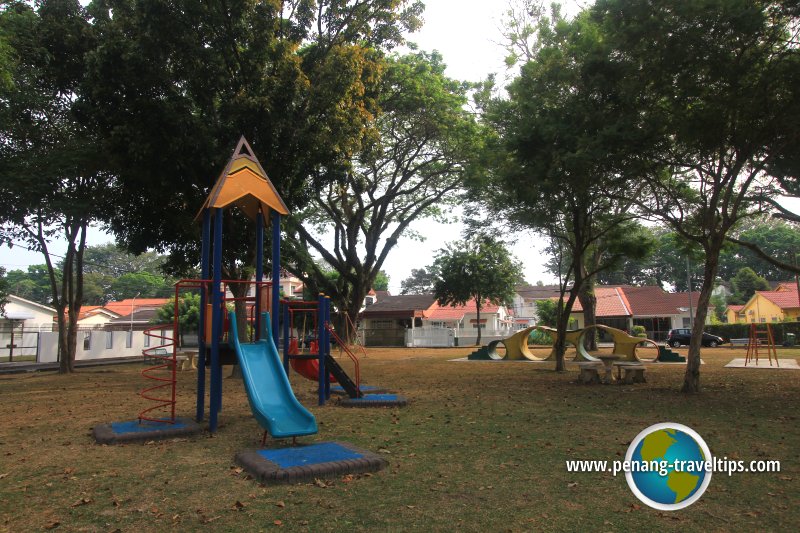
(245, 184)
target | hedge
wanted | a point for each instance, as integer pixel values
(742, 330)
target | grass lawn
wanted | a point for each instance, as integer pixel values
(481, 447)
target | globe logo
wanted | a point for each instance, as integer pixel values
(668, 466)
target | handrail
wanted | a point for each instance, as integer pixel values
(348, 352)
(169, 362)
(352, 324)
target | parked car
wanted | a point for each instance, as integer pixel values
(676, 337)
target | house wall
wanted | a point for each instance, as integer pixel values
(759, 309)
(96, 320)
(41, 318)
(97, 346)
(525, 308)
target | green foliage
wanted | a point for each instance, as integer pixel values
(421, 281)
(713, 90)
(547, 311)
(745, 284)
(188, 312)
(777, 238)
(173, 84)
(639, 331)
(32, 284)
(3, 290)
(381, 282)
(144, 284)
(540, 338)
(664, 262)
(481, 270)
(742, 330)
(409, 168)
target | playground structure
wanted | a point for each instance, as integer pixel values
(245, 185)
(624, 346)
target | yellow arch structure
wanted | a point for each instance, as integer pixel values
(624, 345)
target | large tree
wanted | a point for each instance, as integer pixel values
(54, 182)
(175, 83)
(421, 281)
(479, 269)
(778, 239)
(715, 84)
(410, 171)
(555, 170)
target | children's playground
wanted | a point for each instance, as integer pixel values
(315, 434)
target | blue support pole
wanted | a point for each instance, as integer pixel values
(205, 256)
(276, 274)
(215, 401)
(320, 349)
(286, 338)
(259, 270)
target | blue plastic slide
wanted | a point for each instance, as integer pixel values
(271, 397)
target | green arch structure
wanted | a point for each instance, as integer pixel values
(517, 345)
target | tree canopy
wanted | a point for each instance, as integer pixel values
(715, 88)
(478, 269)
(409, 171)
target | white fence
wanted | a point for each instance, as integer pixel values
(92, 344)
(445, 338)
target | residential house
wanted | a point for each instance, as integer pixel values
(20, 322)
(769, 306)
(95, 316)
(418, 320)
(625, 306)
(524, 304)
(734, 314)
(385, 322)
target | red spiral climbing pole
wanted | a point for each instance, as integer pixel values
(166, 380)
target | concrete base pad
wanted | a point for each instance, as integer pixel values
(306, 463)
(375, 400)
(468, 360)
(764, 363)
(133, 431)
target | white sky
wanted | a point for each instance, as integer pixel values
(465, 32)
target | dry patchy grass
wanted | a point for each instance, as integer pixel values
(481, 447)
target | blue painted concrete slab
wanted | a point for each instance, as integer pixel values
(324, 452)
(133, 426)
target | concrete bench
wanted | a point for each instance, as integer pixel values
(740, 342)
(634, 373)
(155, 355)
(589, 372)
(186, 360)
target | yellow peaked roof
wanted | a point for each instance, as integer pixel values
(245, 184)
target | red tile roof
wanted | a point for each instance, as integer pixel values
(611, 301)
(446, 312)
(735, 307)
(124, 307)
(785, 299)
(627, 300)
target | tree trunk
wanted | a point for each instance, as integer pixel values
(239, 290)
(588, 301)
(691, 380)
(478, 317)
(561, 335)
(75, 297)
(352, 308)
